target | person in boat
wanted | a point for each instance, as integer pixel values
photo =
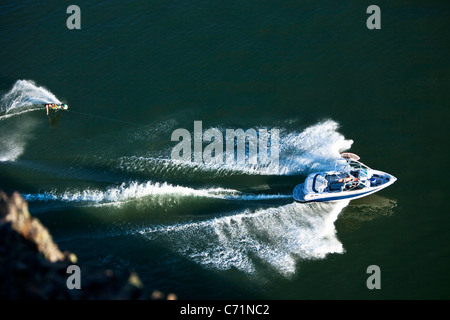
(349, 182)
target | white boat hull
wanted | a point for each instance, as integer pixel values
(301, 195)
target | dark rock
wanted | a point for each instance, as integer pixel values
(33, 267)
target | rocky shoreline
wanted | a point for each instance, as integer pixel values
(32, 267)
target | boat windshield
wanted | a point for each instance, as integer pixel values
(359, 170)
(355, 168)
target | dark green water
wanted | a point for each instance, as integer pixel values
(101, 177)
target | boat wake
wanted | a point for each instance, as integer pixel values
(258, 242)
(157, 192)
(314, 148)
(301, 152)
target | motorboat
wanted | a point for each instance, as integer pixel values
(349, 180)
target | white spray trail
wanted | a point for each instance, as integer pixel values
(275, 238)
(135, 190)
(25, 93)
(13, 139)
(23, 97)
(314, 148)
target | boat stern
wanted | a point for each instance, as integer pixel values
(299, 193)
